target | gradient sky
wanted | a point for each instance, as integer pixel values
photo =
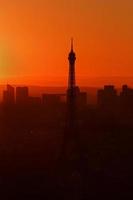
(35, 40)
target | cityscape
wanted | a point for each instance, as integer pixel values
(66, 99)
(61, 146)
(107, 97)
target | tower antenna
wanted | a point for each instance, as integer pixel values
(72, 44)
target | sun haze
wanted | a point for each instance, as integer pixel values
(35, 41)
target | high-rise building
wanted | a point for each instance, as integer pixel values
(34, 101)
(51, 99)
(107, 97)
(126, 97)
(9, 95)
(22, 95)
(82, 100)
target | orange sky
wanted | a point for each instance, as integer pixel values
(35, 37)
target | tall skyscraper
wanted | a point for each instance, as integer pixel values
(22, 95)
(107, 97)
(9, 95)
(51, 100)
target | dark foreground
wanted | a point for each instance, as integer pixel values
(31, 165)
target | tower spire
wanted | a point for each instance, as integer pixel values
(71, 58)
(71, 44)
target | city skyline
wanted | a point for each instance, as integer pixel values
(66, 99)
(102, 34)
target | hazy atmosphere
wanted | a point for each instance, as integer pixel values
(35, 40)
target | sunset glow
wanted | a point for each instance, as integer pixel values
(35, 41)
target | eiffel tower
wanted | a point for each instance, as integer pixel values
(71, 136)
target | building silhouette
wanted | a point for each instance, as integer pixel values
(22, 95)
(107, 98)
(9, 95)
(71, 77)
(51, 99)
(126, 98)
(73, 90)
(81, 100)
(34, 101)
(71, 137)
